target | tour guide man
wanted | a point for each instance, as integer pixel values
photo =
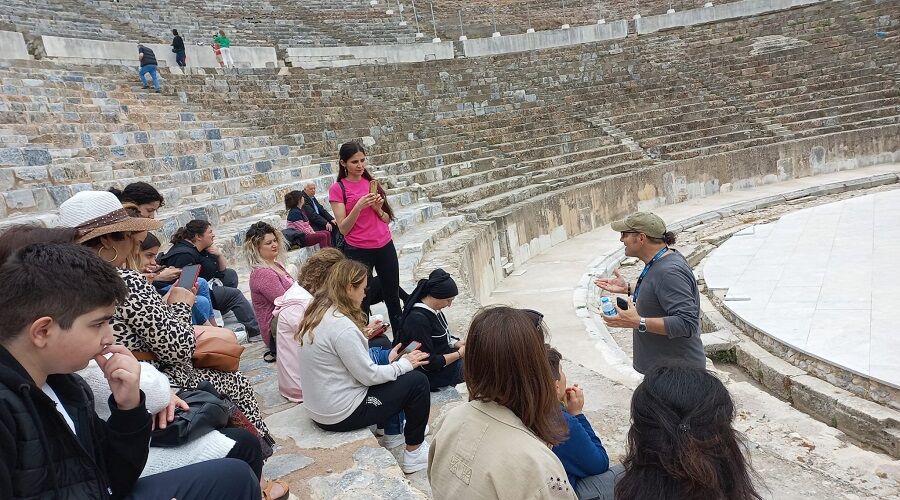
(665, 309)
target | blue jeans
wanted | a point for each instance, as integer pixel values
(150, 68)
(203, 309)
(180, 58)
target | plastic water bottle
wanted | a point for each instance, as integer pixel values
(607, 307)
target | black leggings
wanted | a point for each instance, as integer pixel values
(409, 393)
(214, 479)
(384, 261)
(246, 448)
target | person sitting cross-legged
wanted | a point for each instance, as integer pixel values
(52, 442)
(581, 453)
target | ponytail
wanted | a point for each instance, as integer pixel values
(669, 238)
(193, 228)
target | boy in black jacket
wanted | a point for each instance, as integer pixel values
(52, 443)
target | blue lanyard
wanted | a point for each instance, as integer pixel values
(637, 286)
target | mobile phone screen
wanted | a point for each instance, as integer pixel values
(189, 276)
(373, 186)
(411, 347)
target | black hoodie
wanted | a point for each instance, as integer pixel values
(184, 253)
(41, 457)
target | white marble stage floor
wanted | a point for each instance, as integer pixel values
(824, 280)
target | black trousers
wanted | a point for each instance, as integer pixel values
(228, 298)
(451, 374)
(384, 261)
(410, 393)
(216, 479)
(246, 448)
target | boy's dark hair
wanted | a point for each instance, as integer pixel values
(41, 279)
(21, 235)
(554, 357)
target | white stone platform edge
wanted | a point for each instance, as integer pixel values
(605, 264)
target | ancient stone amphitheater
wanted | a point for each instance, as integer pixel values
(504, 154)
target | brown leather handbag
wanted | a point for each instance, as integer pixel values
(212, 352)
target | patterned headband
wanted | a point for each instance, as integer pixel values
(118, 215)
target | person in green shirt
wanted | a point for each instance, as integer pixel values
(224, 48)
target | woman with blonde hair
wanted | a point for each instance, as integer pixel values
(289, 311)
(344, 389)
(498, 444)
(264, 247)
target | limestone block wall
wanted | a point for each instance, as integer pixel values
(83, 51)
(530, 228)
(12, 46)
(480, 47)
(651, 24)
(334, 57)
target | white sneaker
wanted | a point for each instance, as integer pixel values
(414, 461)
(390, 441)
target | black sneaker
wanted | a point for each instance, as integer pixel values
(145, 87)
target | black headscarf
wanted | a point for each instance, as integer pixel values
(439, 285)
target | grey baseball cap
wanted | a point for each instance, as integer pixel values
(641, 222)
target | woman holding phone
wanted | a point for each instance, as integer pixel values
(363, 216)
(343, 389)
(157, 328)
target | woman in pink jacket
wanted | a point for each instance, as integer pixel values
(289, 311)
(264, 247)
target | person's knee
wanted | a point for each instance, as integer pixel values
(234, 475)
(417, 382)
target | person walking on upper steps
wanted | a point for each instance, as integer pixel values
(148, 65)
(224, 48)
(665, 309)
(178, 49)
(363, 215)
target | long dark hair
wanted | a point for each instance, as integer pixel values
(348, 149)
(190, 230)
(681, 445)
(138, 193)
(506, 363)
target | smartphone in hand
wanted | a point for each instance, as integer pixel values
(622, 303)
(373, 186)
(189, 275)
(412, 346)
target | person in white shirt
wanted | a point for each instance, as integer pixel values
(343, 389)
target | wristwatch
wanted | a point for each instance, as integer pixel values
(642, 326)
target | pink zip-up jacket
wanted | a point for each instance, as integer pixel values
(290, 309)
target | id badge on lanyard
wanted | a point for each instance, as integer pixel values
(637, 286)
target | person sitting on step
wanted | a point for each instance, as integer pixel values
(343, 389)
(581, 453)
(202, 312)
(288, 313)
(194, 244)
(681, 444)
(298, 231)
(52, 441)
(264, 247)
(497, 445)
(319, 218)
(424, 322)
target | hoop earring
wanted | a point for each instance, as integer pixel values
(115, 256)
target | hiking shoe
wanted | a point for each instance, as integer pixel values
(390, 441)
(414, 461)
(145, 87)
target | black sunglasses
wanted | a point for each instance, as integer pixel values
(536, 316)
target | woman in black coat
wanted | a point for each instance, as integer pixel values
(422, 321)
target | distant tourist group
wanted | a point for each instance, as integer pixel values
(110, 347)
(149, 65)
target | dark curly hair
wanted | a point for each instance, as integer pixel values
(681, 445)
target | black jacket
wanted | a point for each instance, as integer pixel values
(316, 220)
(432, 331)
(185, 253)
(177, 43)
(41, 458)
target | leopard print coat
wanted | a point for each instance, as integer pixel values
(146, 323)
